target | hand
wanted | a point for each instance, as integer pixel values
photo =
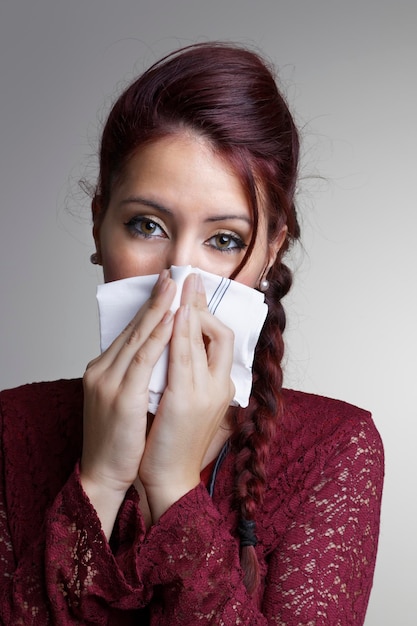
(116, 402)
(188, 425)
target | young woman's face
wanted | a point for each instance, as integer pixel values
(178, 204)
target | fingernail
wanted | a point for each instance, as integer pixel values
(199, 284)
(192, 280)
(164, 277)
(159, 280)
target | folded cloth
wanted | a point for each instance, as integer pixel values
(239, 307)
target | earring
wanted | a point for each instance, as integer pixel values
(264, 285)
(94, 258)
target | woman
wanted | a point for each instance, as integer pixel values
(202, 513)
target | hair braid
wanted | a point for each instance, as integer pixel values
(256, 426)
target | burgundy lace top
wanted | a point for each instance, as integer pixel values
(317, 530)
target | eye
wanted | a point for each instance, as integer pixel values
(226, 242)
(141, 226)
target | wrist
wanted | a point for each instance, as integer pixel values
(161, 498)
(106, 499)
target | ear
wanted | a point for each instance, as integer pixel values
(97, 219)
(275, 246)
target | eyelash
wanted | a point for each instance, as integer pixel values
(137, 221)
(239, 244)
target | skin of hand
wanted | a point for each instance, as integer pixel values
(189, 427)
(116, 402)
(170, 451)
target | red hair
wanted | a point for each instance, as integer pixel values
(228, 95)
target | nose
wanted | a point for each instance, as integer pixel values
(183, 251)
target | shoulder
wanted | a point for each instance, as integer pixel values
(41, 393)
(316, 418)
(298, 403)
(40, 414)
(29, 399)
(317, 432)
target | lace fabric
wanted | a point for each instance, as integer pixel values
(317, 530)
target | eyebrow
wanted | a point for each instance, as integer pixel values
(163, 209)
(150, 203)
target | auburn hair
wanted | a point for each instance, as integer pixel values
(228, 95)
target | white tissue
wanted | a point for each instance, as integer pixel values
(239, 307)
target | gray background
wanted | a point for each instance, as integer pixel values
(348, 69)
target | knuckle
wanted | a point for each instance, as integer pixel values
(127, 329)
(185, 359)
(89, 377)
(154, 334)
(140, 358)
(135, 335)
(90, 364)
(92, 381)
(153, 304)
(199, 342)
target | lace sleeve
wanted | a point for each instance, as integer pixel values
(70, 576)
(322, 572)
(192, 561)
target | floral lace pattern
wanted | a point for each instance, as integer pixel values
(317, 530)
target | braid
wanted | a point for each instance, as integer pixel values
(257, 425)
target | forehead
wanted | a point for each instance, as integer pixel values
(185, 167)
(190, 151)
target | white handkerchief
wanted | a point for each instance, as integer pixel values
(239, 307)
